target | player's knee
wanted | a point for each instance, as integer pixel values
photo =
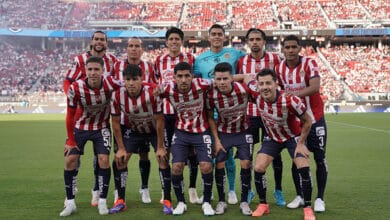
(177, 168)
(205, 167)
(245, 164)
(260, 168)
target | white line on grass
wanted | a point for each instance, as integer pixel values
(358, 126)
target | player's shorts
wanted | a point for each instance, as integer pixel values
(101, 140)
(316, 140)
(170, 121)
(137, 142)
(243, 141)
(182, 142)
(273, 148)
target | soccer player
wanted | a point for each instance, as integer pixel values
(164, 65)
(98, 48)
(280, 112)
(251, 64)
(134, 53)
(230, 99)
(299, 75)
(188, 96)
(204, 68)
(137, 121)
(92, 97)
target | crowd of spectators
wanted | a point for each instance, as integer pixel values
(191, 15)
(363, 68)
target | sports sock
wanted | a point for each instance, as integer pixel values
(207, 186)
(193, 166)
(144, 169)
(304, 173)
(322, 176)
(70, 179)
(95, 165)
(220, 179)
(120, 179)
(165, 178)
(245, 176)
(178, 187)
(104, 181)
(231, 170)
(277, 165)
(261, 186)
(296, 179)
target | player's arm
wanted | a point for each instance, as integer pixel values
(305, 125)
(120, 155)
(314, 87)
(161, 152)
(213, 128)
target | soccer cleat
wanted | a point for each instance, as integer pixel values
(102, 207)
(251, 195)
(76, 190)
(180, 209)
(261, 210)
(145, 195)
(308, 214)
(95, 198)
(278, 195)
(319, 205)
(298, 201)
(221, 207)
(245, 209)
(167, 207)
(119, 206)
(232, 197)
(70, 208)
(200, 200)
(207, 209)
(193, 195)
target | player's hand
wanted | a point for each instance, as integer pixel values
(68, 148)
(120, 157)
(218, 147)
(158, 90)
(301, 149)
(161, 154)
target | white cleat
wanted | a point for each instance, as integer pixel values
(232, 198)
(193, 195)
(319, 205)
(145, 195)
(180, 209)
(245, 209)
(70, 208)
(102, 207)
(95, 198)
(207, 209)
(298, 201)
(221, 207)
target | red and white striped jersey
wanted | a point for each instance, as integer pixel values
(78, 69)
(94, 104)
(137, 111)
(250, 65)
(148, 74)
(231, 108)
(164, 67)
(189, 107)
(293, 79)
(280, 118)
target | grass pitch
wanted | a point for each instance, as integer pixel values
(31, 174)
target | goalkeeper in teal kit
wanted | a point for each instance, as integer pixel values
(204, 68)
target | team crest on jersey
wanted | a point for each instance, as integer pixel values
(227, 55)
(206, 139)
(249, 139)
(257, 67)
(302, 73)
(320, 131)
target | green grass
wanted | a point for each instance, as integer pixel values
(31, 174)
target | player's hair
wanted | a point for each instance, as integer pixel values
(223, 67)
(135, 38)
(132, 71)
(174, 30)
(291, 38)
(266, 72)
(255, 30)
(217, 26)
(99, 32)
(94, 59)
(182, 66)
